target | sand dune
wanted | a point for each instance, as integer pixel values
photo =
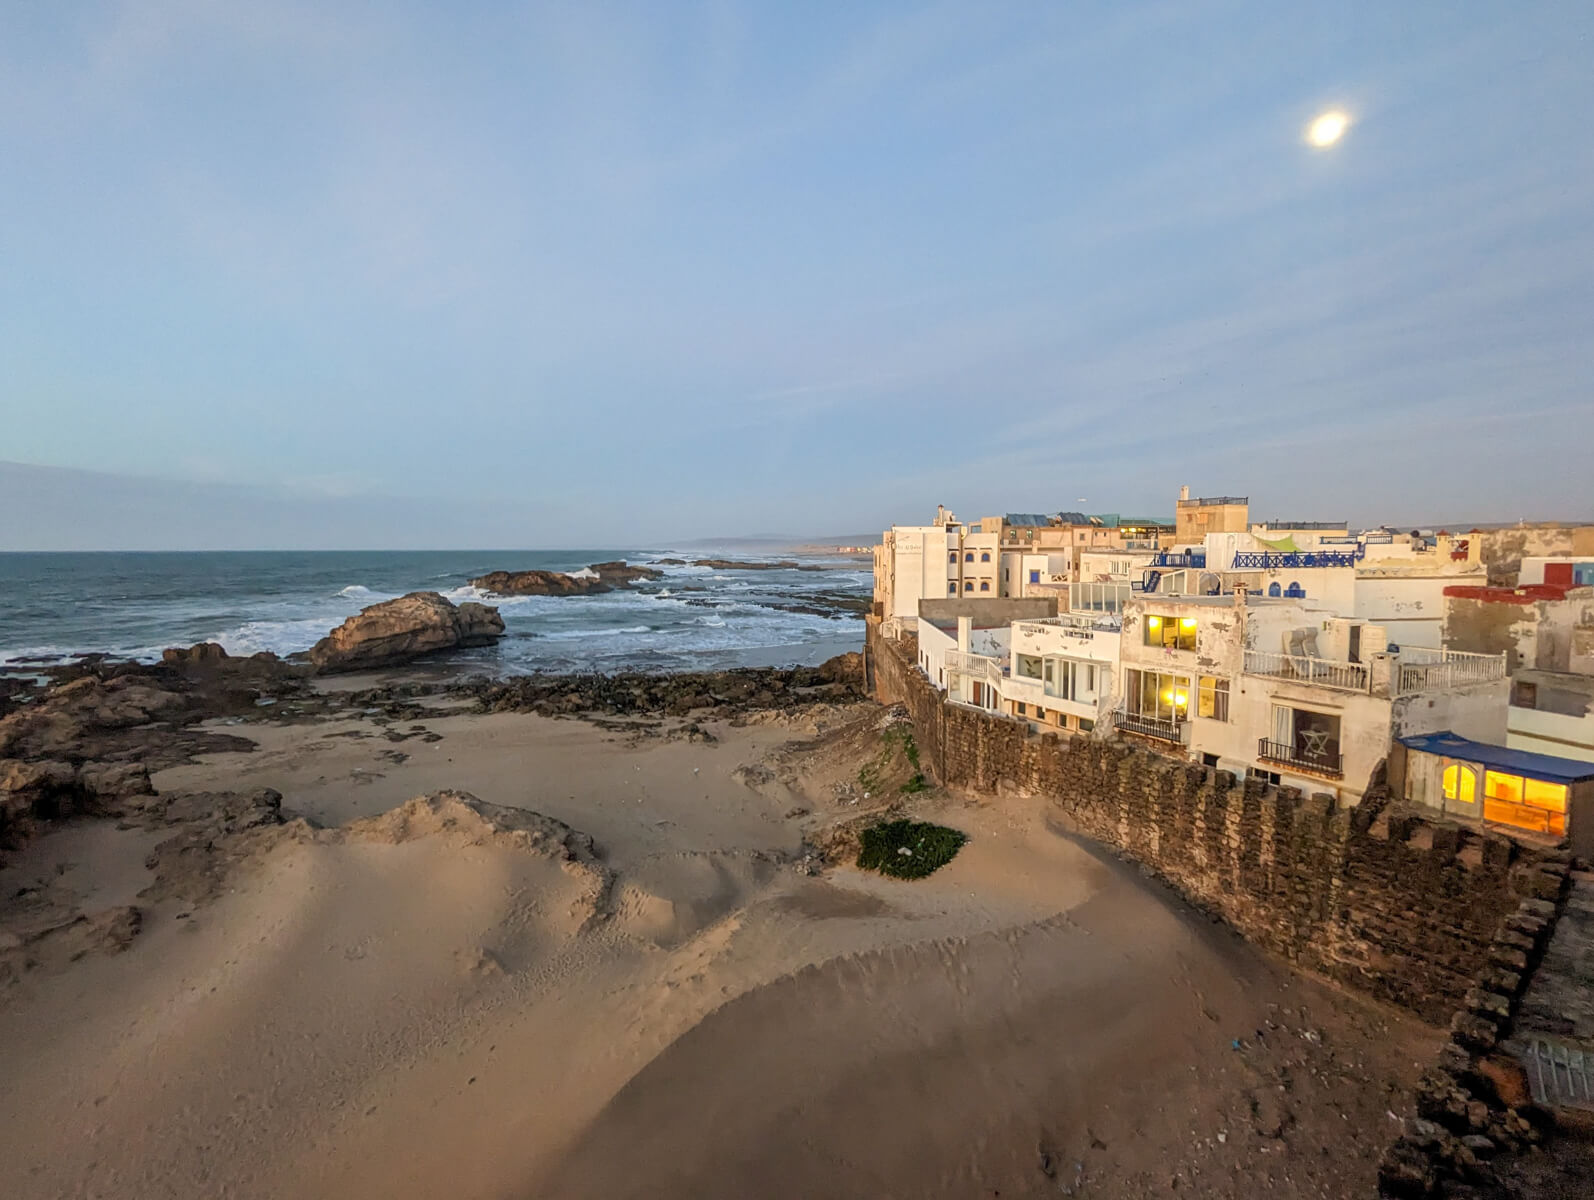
(600, 974)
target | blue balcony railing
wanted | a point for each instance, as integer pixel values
(1247, 560)
(1197, 561)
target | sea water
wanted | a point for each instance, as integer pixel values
(695, 618)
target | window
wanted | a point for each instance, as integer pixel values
(952, 556)
(1153, 694)
(985, 585)
(1029, 666)
(1273, 589)
(969, 557)
(952, 588)
(1209, 760)
(985, 556)
(1086, 725)
(1461, 783)
(1171, 633)
(1007, 574)
(1308, 738)
(1268, 777)
(1040, 713)
(1524, 803)
(968, 586)
(1212, 698)
(1034, 576)
(1018, 707)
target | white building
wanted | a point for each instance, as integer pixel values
(1268, 686)
(1060, 671)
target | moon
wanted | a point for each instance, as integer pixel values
(1327, 128)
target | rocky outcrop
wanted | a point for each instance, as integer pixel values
(733, 564)
(598, 577)
(540, 583)
(721, 693)
(397, 631)
(620, 573)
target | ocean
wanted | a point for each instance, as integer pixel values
(129, 605)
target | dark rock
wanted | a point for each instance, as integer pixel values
(540, 583)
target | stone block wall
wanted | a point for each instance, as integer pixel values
(1394, 905)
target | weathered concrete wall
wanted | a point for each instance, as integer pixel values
(988, 612)
(1399, 907)
(1504, 549)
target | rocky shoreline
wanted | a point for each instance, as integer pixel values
(82, 740)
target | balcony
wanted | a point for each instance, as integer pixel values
(1320, 672)
(1424, 670)
(1175, 732)
(980, 667)
(1318, 762)
(1191, 561)
(1269, 560)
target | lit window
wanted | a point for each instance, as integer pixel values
(1524, 803)
(1171, 633)
(1213, 698)
(1461, 783)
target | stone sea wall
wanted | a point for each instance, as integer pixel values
(1391, 904)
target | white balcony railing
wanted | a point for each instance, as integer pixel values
(980, 667)
(1454, 669)
(1321, 672)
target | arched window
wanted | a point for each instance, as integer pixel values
(1273, 589)
(985, 585)
(968, 585)
(952, 587)
(985, 556)
(1295, 591)
(1461, 784)
(969, 557)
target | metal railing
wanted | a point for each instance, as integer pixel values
(1322, 762)
(1451, 669)
(1194, 561)
(1323, 672)
(1152, 727)
(1276, 560)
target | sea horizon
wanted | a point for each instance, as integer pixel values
(130, 604)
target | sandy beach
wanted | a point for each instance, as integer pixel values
(600, 959)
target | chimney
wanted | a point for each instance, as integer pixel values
(965, 633)
(1184, 492)
(1240, 592)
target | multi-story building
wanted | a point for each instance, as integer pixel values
(1546, 633)
(1271, 687)
(1198, 516)
(1060, 670)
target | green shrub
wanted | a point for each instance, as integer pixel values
(928, 848)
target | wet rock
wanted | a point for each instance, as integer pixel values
(397, 631)
(540, 583)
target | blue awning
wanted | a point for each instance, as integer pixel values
(1548, 767)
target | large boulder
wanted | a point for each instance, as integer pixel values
(540, 583)
(396, 631)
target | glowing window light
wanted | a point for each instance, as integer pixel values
(1154, 622)
(1187, 623)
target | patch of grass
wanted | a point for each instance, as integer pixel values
(895, 743)
(908, 849)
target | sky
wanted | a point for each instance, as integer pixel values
(400, 274)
